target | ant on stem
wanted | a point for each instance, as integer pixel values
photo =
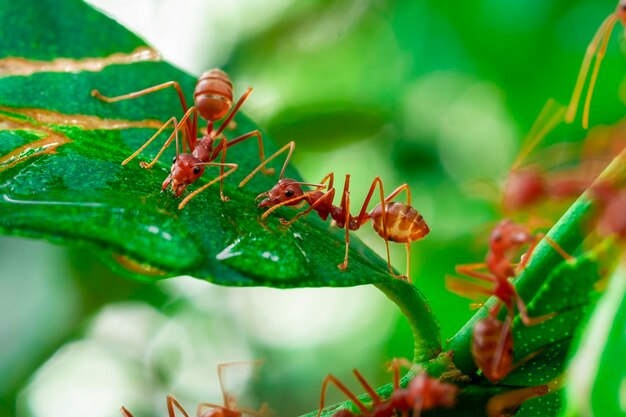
(229, 409)
(505, 241)
(422, 393)
(213, 100)
(393, 221)
(596, 47)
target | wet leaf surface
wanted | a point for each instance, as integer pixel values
(61, 178)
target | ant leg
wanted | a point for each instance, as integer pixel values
(167, 143)
(584, 68)
(596, 69)
(229, 401)
(233, 167)
(368, 388)
(171, 403)
(327, 197)
(149, 141)
(394, 193)
(342, 388)
(523, 313)
(125, 412)
(408, 261)
(291, 146)
(466, 288)
(470, 271)
(95, 93)
(256, 134)
(502, 405)
(504, 333)
(533, 246)
(364, 216)
(222, 146)
(233, 112)
(345, 204)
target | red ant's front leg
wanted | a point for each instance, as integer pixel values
(174, 134)
(531, 249)
(290, 146)
(232, 167)
(257, 134)
(327, 198)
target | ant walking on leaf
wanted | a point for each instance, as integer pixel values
(597, 47)
(393, 221)
(213, 100)
(229, 409)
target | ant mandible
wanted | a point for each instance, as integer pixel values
(422, 393)
(213, 99)
(596, 47)
(229, 409)
(393, 221)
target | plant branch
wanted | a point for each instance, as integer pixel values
(569, 232)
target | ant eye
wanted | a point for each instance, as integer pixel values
(174, 160)
(196, 170)
(288, 193)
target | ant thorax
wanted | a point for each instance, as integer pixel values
(204, 149)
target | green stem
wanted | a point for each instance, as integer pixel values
(415, 307)
(569, 232)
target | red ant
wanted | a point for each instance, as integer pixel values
(229, 409)
(597, 47)
(393, 221)
(530, 184)
(213, 99)
(505, 240)
(423, 392)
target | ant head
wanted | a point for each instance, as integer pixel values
(185, 170)
(284, 190)
(508, 235)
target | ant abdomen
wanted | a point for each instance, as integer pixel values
(213, 95)
(404, 223)
(485, 340)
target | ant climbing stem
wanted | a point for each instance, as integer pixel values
(597, 47)
(506, 239)
(213, 101)
(393, 221)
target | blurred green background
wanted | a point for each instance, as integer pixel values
(436, 94)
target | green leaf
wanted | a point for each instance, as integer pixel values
(61, 178)
(597, 376)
